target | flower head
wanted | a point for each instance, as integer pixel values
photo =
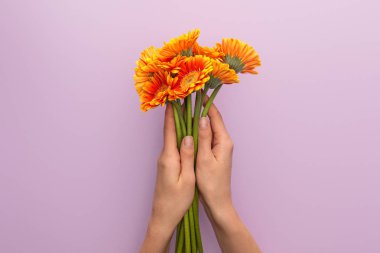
(155, 92)
(182, 45)
(221, 74)
(239, 55)
(174, 65)
(193, 75)
(207, 51)
(146, 67)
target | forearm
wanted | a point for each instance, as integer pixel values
(157, 239)
(231, 232)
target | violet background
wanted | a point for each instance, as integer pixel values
(77, 157)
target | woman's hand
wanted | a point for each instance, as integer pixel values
(214, 163)
(213, 173)
(175, 186)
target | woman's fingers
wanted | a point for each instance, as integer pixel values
(187, 158)
(170, 140)
(217, 125)
(204, 140)
(221, 139)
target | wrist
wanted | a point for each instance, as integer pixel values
(226, 222)
(159, 230)
(157, 238)
(223, 214)
(220, 213)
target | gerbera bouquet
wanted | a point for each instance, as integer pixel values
(171, 74)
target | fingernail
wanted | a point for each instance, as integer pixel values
(188, 141)
(203, 122)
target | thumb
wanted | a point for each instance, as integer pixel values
(187, 157)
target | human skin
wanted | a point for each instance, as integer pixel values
(174, 192)
(213, 175)
(175, 187)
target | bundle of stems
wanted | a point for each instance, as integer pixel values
(188, 235)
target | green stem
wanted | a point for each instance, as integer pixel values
(210, 100)
(178, 232)
(189, 230)
(181, 228)
(189, 122)
(177, 126)
(197, 112)
(207, 87)
(177, 106)
(189, 115)
(181, 238)
(187, 233)
(193, 238)
(196, 221)
(185, 118)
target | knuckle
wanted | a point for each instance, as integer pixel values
(203, 160)
(205, 136)
(203, 132)
(189, 179)
(187, 152)
(164, 160)
(161, 162)
(229, 143)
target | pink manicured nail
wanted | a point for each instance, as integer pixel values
(188, 141)
(203, 122)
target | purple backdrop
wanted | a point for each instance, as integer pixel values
(77, 157)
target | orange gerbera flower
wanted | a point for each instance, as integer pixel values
(193, 75)
(207, 51)
(221, 74)
(182, 45)
(146, 67)
(174, 65)
(155, 91)
(239, 55)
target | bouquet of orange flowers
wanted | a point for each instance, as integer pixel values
(171, 74)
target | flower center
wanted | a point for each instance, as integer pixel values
(161, 89)
(190, 78)
(187, 52)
